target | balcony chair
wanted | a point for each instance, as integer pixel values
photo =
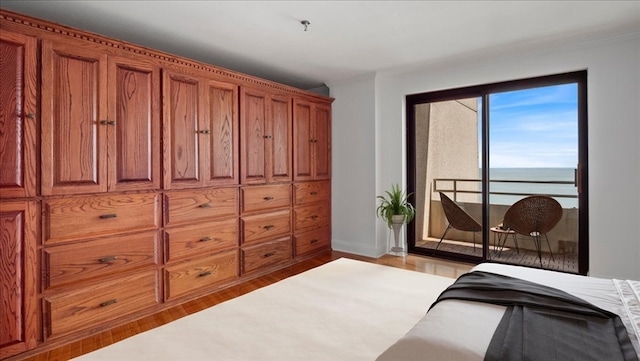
(458, 219)
(534, 216)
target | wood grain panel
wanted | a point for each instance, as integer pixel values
(260, 198)
(134, 140)
(73, 263)
(302, 136)
(93, 216)
(253, 123)
(266, 255)
(85, 307)
(311, 192)
(261, 227)
(279, 145)
(193, 276)
(18, 293)
(181, 116)
(74, 99)
(201, 239)
(223, 139)
(322, 142)
(312, 241)
(18, 118)
(313, 216)
(201, 205)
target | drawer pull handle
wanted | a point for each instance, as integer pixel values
(267, 255)
(313, 193)
(204, 274)
(314, 217)
(108, 259)
(205, 205)
(108, 303)
(267, 198)
(268, 226)
(31, 116)
(314, 241)
(107, 216)
(108, 122)
(205, 239)
(204, 131)
(268, 137)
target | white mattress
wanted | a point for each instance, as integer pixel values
(462, 330)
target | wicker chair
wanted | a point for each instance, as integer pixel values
(458, 219)
(534, 216)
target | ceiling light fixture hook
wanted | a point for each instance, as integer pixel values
(306, 23)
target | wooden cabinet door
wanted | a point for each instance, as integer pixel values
(18, 277)
(18, 120)
(322, 142)
(279, 139)
(74, 119)
(134, 131)
(184, 131)
(253, 136)
(302, 141)
(221, 103)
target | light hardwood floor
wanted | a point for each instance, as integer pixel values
(75, 349)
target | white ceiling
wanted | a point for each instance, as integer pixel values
(345, 38)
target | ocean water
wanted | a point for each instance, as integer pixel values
(566, 194)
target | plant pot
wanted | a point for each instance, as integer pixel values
(397, 221)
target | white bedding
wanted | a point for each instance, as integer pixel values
(462, 330)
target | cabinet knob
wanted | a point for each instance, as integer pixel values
(108, 303)
(108, 259)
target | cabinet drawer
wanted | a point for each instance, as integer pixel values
(311, 217)
(313, 240)
(191, 206)
(260, 198)
(76, 262)
(265, 255)
(96, 304)
(92, 216)
(265, 226)
(311, 192)
(191, 276)
(202, 239)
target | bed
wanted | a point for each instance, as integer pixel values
(348, 310)
(462, 330)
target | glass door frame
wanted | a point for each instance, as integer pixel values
(484, 91)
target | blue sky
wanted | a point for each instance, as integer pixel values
(534, 128)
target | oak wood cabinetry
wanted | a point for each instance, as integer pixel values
(18, 276)
(200, 131)
(266, 137)
(312, 140)
(100, 121)
(312, 216)
(18, 120)
(19, 209)
(133, 180)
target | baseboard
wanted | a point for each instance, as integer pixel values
(367, 250)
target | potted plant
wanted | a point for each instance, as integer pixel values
(395, 209)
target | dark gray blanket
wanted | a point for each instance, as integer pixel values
(544, 323)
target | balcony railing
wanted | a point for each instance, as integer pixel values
(457, 188)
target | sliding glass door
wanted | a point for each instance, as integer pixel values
(516, 150)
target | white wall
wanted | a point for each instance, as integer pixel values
(613, 66)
